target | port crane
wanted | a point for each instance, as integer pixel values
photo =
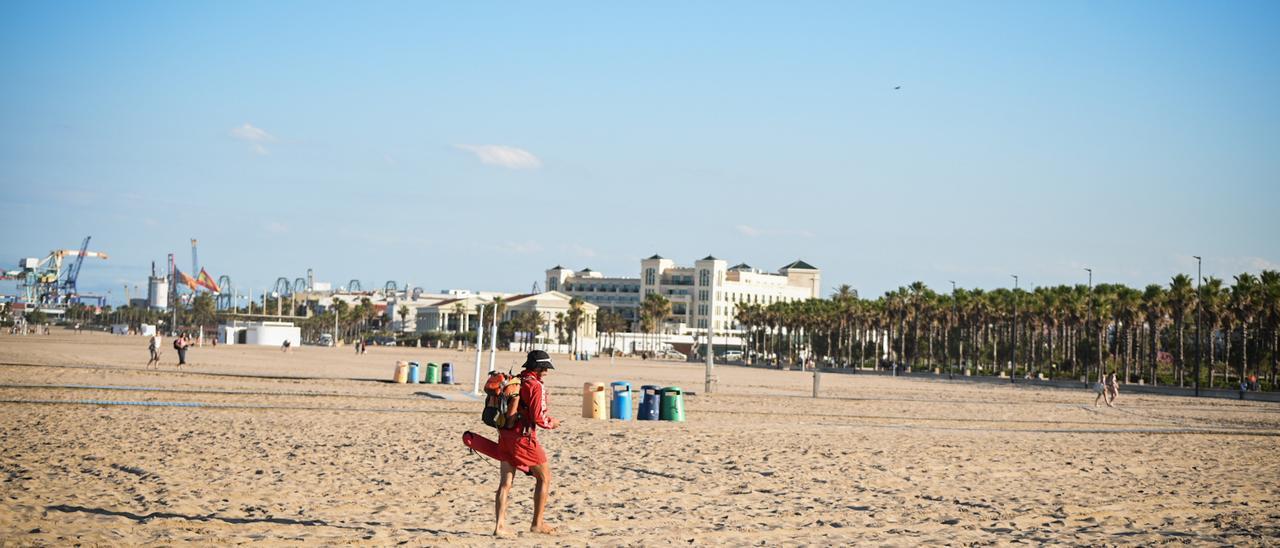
(45, 282)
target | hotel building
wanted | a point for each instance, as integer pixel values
(689, 290)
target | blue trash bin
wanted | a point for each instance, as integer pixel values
(446, 374)
(649, 402)
(621, 407)
(413, 373)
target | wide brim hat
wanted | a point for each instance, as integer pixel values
(538, 359)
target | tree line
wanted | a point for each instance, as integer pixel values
(1059, 331)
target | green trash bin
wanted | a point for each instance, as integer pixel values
(433, 373)
(672, 408)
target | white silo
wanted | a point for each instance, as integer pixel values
(158, 292)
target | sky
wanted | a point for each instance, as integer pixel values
(477, 144)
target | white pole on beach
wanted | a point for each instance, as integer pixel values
(711, 342)
(493, 338)
(479, 350)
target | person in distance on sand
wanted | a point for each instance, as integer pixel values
(520, 445)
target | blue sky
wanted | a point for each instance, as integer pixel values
(475, 144)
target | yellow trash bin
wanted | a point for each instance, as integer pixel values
(595, 401)
(402, 372)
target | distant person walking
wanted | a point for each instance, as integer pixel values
(181, 344)
(1105, 391)
(284, 347)
(154, 347)
(520, 445)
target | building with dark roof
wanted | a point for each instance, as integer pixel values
(688, 288)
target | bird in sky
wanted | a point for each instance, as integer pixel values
(897, 87)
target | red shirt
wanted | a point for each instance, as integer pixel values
(534, 402)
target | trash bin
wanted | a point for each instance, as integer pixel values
(402, 373)
(672, 404)
(446, 373)
(594, 405)
(433, 373)
(648, 403)
(620, 408)
(413, 373)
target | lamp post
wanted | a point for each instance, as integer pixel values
(1013, 365)
(709, 379)
(1199, 342)
(1089, 316)
(479, 349)
(951, 368)
(493, 338)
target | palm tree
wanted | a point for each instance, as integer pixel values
(1181, 298)
(1155, 312)
(1212, 304)
(528, 322)
(1244, 307)
(610, 323)
(655, 308)
(459, 312)
(403, 311)
(1269, 299)
(573, 320)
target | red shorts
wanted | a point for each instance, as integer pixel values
(518, 449)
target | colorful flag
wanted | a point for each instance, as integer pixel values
(184, 278)
(207, 281)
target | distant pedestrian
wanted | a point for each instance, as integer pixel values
(181, 344)
(1103, 391)
(154, 347)
(1113, 390)
(284, 347)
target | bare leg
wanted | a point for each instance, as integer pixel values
(541, 492)
(500, 500)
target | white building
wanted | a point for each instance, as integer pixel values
(689, 290)
(260, 333)
(462, 314)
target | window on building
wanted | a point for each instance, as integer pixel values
(704, 277)
(649, 276)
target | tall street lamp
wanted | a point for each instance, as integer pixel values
(1199, 307)
(1013, 367)
(951, 367)
(1087, 318)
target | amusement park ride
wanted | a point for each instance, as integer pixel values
(45, 283)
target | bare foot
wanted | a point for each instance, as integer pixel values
(543, 529)
(501, 532)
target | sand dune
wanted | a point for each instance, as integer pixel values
(315, 447)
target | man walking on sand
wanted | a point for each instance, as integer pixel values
(156, 341)
(520, 445)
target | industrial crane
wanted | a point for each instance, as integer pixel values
(44, 282)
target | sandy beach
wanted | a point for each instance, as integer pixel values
(315, 447)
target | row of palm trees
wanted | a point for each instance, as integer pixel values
(1076, 331)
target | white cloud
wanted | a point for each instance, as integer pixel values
(276, 227)
(579, 250)
(1258, 264)
(753, 232)
(522, 248)
(502, 155)
(255, 136)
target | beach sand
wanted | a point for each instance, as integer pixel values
(315, 447)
